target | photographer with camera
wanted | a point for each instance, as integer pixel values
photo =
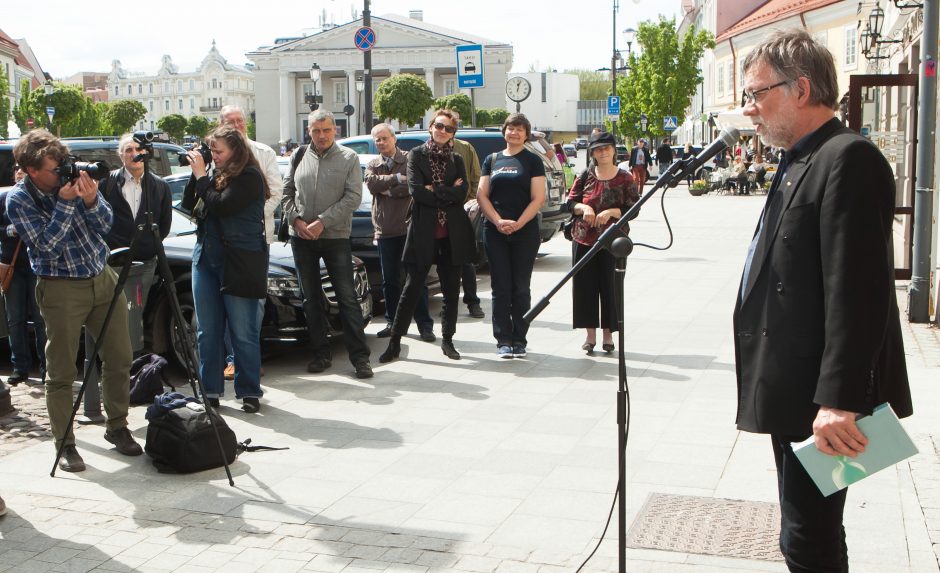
(124, 190)
(62, 221)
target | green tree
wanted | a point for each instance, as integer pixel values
(69, 104)
(490, 117)
(22, 110)
(594, 84)
(251, 127)
(404, 97)
(124, 114)
(457, 102)
(86, 122)
(662, 79)
(4, 103)
(174, 125)
(197, 126)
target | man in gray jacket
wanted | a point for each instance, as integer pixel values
(387, 180)
(319, 201)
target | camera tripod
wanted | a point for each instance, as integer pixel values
(181, 333)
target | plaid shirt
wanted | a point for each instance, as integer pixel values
(65, 238)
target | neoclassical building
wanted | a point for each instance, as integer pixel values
(403, 45)
(201, 92)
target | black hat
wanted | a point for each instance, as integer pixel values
(601, 139)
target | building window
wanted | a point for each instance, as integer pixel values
(151, 109)
(140, 88)
(151, 125)
(720, 76)
(215, 102)
(130, 89)
(192, 103)
(215, 83)
(150, 87)
(192, 85)
(339, 91)
(166, 87)
(450, 87)
(117, 90)
(307, 89)
(166, 105)
(179, 85)
(730, 78)
(180, 103)
(851, 47)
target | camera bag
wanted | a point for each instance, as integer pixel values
(181, 440)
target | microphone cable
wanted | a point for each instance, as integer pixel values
(662, 202)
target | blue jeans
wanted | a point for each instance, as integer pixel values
(20, 303)
(337, 256)
(229, 352)
(512, 258)
(390, 252)
(213, 311)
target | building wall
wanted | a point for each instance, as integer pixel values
(552, 104)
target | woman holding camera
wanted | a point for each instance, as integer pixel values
(229, 206)
(439, 232)
(512, 190)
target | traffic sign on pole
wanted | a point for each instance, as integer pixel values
(50, 111)
(364, 39)
(613, 105)
(670, 123)
(470, 66)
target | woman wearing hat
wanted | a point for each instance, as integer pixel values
(597, 201)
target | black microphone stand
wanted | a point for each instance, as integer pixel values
(181, 332)
(620, 246)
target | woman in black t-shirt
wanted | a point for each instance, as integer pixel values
(511, 192)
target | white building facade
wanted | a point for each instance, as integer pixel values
(213, 84)
(403, 45)
(552, 105)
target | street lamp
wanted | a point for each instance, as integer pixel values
(313, 99)
(50, 111)
(628, 36)
(360, 85)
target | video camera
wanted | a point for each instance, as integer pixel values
(70, 167)
(203, 150)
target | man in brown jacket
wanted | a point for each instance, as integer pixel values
(387, 180)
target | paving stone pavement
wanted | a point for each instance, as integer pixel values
(480, 465)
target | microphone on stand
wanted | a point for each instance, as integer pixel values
(726, 139)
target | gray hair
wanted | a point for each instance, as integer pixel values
(230, 108)
(125, 140)
(320, 115)
(380, 126)
(792, 54)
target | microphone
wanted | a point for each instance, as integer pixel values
(728, 137)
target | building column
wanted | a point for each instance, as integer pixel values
(352, 98)
(286, 112)
(429, 78)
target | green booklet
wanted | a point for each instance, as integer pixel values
(888, 444)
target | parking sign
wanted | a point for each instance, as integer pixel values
(613, 105)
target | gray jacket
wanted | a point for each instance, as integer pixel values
(328, 187)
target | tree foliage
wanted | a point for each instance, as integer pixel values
(457, 102)
(404, 97)
(21, 110)
(197, 126)
(593, 84)
(662, 79)
(124, 114)
(4, 103)
(174, 125)
(493, 116)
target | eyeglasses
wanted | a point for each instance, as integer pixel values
(446, 128)
(753, 96)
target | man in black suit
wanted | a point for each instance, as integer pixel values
(817, 328)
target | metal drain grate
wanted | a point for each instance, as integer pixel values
(709, 526)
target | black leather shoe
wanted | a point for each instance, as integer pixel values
(251, 405)
(393, 350)
(427, 335)
(449, 351)
(476, 311)
(363, 370)
(71, 461)
(214, 402)
(319, 365)
(385, 332)
(17, 377)
(124, 442)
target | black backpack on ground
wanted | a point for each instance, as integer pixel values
(181, 440)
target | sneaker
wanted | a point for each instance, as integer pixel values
(229, 372)
(427, 335)
(17, 377)
(123, 441)
(319, 364)
(518, 351)
(363, 370)
(476, 311)
(3, 507)
(251, 405)
(71, 461)
(504, 351)
(385, 332)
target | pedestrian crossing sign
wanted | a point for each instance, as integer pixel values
(670, 123)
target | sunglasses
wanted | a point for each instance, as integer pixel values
(446, 128)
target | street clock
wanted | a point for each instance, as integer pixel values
(518, 89)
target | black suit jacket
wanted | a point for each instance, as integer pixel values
(157, 198)
(633, 157)
(419, 244)
(817, 322)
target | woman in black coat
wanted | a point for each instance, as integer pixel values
(439, 233)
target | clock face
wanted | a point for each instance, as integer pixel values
(518, 88)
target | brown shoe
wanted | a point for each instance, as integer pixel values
(71, 461)
(229, 372)
(123, 441)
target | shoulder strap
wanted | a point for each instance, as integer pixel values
(295, 160)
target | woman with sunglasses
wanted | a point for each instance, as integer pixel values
(512, 190)
(439, 232)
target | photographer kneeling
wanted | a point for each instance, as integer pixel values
(63, 222)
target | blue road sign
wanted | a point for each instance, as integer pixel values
(365, 38)
(670, 123)
(470, 66)
(613, 105)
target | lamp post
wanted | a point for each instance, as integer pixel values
(360, 84)
(628, 36)
(50, 111)
(313, 100)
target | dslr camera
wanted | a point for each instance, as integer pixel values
(203, 150)
(70, 167)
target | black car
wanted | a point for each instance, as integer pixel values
(284, 317)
